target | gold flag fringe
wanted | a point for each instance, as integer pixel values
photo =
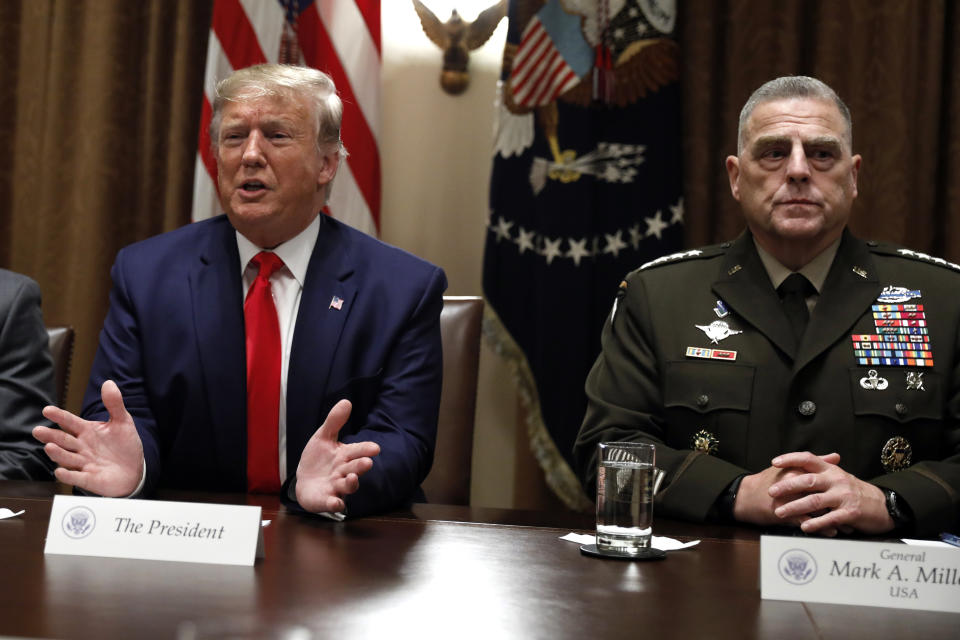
(559, 476)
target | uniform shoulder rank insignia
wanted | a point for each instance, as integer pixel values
(703, 252)
(913, 255)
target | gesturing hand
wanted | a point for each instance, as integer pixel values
(833, 499)
(105, 458)
(330, 469)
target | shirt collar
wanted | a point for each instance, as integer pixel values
(295, 252)
(815, 271)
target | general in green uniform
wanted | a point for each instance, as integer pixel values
(847, 421)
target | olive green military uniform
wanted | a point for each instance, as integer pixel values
(725, 398)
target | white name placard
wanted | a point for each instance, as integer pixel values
(154, 530)
(873, 574)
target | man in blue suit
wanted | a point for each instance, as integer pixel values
(183, 391)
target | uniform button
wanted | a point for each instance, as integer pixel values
(807, 408)
(901, 409)
(871, 243)
(703, 400)
(725, 245)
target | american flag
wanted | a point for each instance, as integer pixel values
(552, 57)
(339, 37)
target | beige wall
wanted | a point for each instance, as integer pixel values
(436, 160)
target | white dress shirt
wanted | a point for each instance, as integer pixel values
(286, 285)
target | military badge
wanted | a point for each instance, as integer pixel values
(896, 455)
(705, 441)
(901, 338)
(711, 354)
(873, 382)
(721, 309)
(891, 294)
(717, 330)
(915, 381)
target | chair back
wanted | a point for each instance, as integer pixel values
(449, 478)
(61, 348)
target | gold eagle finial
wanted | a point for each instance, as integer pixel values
(456, 38)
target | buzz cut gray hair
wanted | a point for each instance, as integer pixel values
(787, 87)
(284, 80)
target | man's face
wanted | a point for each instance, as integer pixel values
(795, 177)
(272, 177)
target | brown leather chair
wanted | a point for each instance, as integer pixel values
(449, 478)
(61, 348)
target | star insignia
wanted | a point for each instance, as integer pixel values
(502, 230)
(656, 225)
(551, 249)
(525, 240)
(578, 250)
(677, 211)
(635, 237)
(614, 243)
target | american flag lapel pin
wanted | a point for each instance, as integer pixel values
(336, 302)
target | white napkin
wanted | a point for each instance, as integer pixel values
(6, 513)
(658, 542)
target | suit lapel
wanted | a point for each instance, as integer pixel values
(851, 286)
(745, 287)
(317, 334)
(217, 299)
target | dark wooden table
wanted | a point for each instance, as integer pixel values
(433, 572)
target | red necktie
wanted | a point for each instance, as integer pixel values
(263, 378)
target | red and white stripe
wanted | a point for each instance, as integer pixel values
(339, 37)
(539, 72)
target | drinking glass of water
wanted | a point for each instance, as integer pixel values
(625, 480)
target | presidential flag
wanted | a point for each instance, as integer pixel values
(339, 37)
(586, 187)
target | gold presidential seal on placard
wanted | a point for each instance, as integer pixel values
(705, 441)
(897, 454)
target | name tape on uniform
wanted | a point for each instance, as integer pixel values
(872, 574)
(154, 530)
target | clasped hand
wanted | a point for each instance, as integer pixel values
(813, 493)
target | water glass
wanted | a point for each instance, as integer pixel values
(625, 483)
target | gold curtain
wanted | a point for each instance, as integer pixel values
(897, 66)
(99, 105)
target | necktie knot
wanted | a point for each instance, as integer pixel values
(795, 284)
(793, 294)
(267, 263)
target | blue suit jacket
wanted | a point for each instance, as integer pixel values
(173, 341)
